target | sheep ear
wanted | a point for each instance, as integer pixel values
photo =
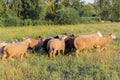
(38, 37)
(65, 34)
(111, 34)
(73, 35)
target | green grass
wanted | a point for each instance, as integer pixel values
(89, 66)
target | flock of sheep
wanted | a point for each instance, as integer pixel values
(54, 45)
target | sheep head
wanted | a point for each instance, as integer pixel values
(15, 41)
(112, 36)
(63, 37)
(39, 38)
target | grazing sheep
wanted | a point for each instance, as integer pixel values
(104, 42)
(55, 45)
(16, 49)
(86, 42)
(36, 44)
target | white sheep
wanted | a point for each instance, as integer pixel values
(86, 42)
(55, 45)
(104, 42)
(16, 49)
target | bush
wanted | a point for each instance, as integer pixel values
(27, 22)
(11, 21)
(42, 22)
(86, 20)
(66, 16)
(1, 21)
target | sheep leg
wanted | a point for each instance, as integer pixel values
(4, 56)
(50, 53)
(77, 53)
(22, 55)
(10, 57)
(54, 52)
(104, 48)
(63, 51)
(58, 52)
(33, 50)
(25, 55)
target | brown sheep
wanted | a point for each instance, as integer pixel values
(16, 49)
(69, 43)
(86, 42)
(104, 42)
(44, 45)
(55, 45)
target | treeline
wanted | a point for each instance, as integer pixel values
(36, 12)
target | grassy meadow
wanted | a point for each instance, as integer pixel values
(91, 65)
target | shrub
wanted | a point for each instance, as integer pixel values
(11, 21)
(1, 21)
(66, 16)
(27, 22)
(42, 22)
(86, 20)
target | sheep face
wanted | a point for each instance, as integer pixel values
(63, 37)
(113, 36)
(15, 41)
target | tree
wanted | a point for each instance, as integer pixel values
(66, 16)
(89, 10)
(115, 10)
(76, 4)
(103, 9)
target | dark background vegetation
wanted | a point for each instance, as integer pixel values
(37, 12)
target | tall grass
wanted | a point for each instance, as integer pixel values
(91, 65)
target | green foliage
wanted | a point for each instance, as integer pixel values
(115, 11)
(89, 20)
(52, 12)
(66, 16)
(31, 9)
(12, 21)
(27, 22)
(88, 10)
